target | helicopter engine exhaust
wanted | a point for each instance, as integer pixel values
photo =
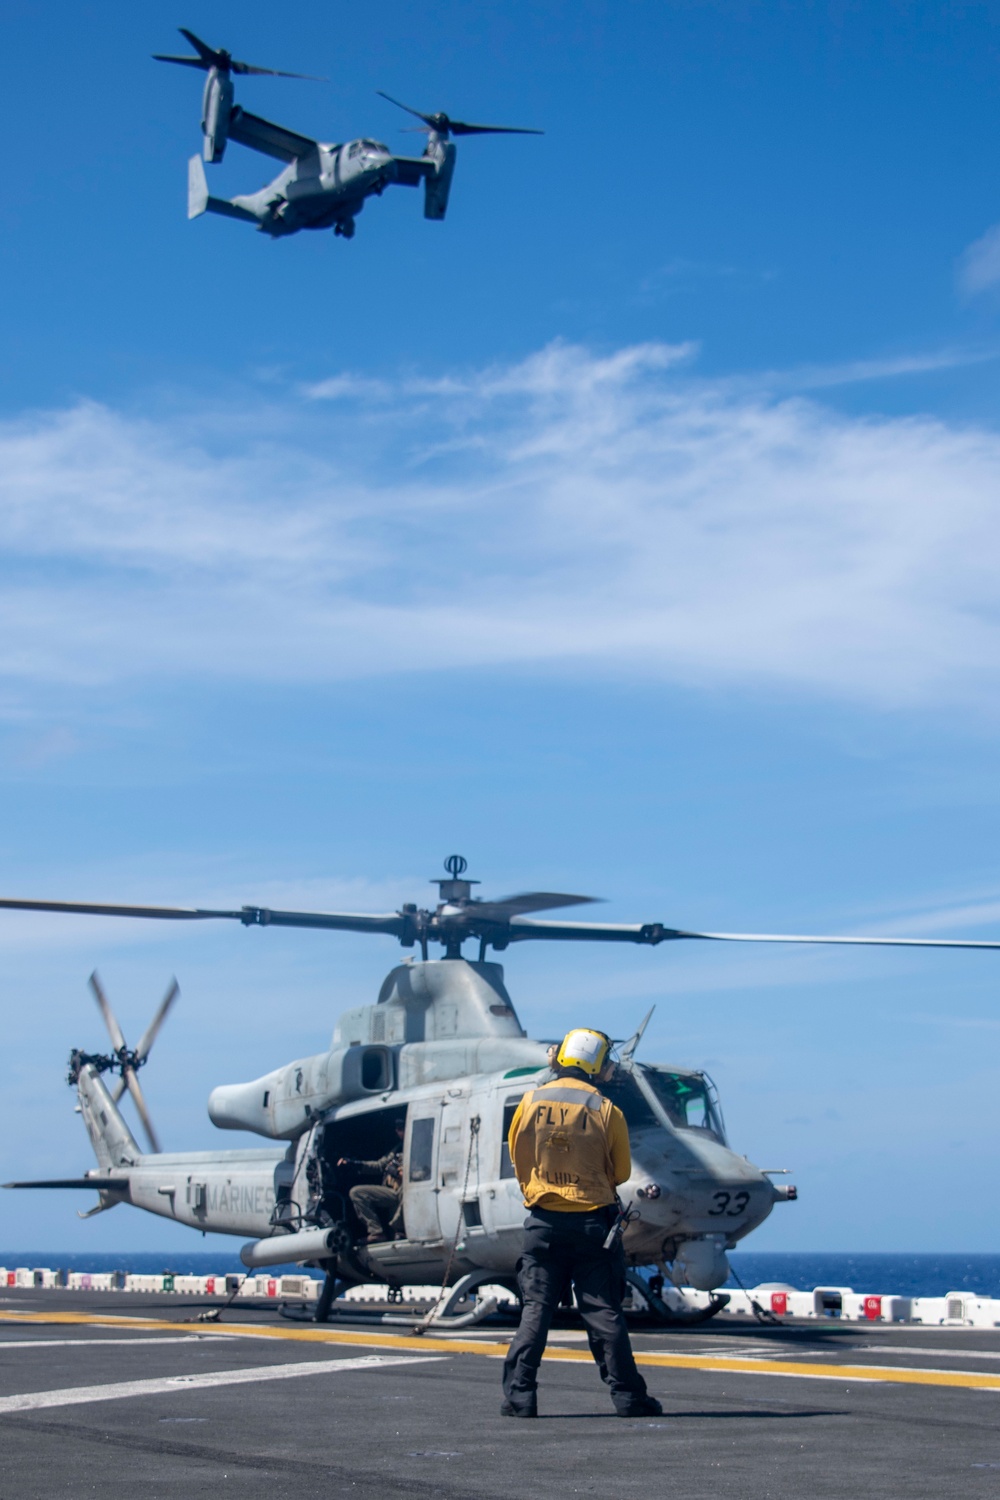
(279, 1249)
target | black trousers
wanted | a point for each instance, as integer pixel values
(559, 1249)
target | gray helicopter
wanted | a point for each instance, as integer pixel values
(443, 1055)
(323, 186)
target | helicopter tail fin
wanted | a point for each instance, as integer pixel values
(114, 1144)
(200, 200)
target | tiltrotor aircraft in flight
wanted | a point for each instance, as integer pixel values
(323, 185)
(442, 1052)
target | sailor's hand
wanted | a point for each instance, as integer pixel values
(343, 1161)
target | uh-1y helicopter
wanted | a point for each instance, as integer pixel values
(323, 186)
(442, 1051)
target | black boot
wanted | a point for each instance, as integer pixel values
(638, 1406)
(521, 1409)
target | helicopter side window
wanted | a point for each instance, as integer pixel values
(421, 1150)
(509, 1111)
(355, 149)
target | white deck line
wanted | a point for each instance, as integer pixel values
(152, 1338)
(80, 1395)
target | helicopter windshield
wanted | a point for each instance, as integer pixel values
(686, 1100)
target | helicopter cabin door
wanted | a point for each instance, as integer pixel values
(435, 1165)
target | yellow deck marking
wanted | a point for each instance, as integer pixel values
(722, 1364)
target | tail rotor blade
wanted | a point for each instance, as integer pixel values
(110, 1019)
(135, 1089)
(152, 1030)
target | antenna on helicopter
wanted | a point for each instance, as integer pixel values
(123, 1059)
(627, 1053)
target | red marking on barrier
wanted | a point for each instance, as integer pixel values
(779, 1303)
(873, 1307)
(210, 1284)
(11, 1278)
(272, 1288)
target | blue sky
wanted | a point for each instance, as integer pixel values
(634, 532)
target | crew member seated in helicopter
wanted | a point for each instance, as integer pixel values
(378, 1202)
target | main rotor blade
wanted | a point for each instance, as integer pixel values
(242, 67)
(457, 127)
(185, 62)
(216, 57)
(400, 105)
(150, 1034)
(444, 123)
(101, 909)
(206, 53)
(522, 928)
(512, 906)
(135, 1089)
(110, 1019)
(251, 916)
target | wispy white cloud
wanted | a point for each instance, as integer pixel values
(857, 372)
(979, 264)
(570, 510)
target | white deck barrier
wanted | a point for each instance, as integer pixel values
(954, 1310)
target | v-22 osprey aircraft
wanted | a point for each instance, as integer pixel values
(323, 186)
(442, 1050)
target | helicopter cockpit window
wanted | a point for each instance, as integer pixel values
(421, 1150)
(686, 1101)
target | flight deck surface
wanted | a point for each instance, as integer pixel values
(124, 1397)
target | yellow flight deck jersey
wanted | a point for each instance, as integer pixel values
(569, 1146)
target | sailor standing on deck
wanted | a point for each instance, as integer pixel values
(570, 1149)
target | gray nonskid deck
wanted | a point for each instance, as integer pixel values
(189, 1410)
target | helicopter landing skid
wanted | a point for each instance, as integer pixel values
(670, 1317)
(441, 1315)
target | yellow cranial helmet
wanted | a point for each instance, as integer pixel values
(585, 1049)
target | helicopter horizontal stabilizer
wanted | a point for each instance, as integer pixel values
(200, 200)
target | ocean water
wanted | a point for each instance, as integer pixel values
(901, 1274)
